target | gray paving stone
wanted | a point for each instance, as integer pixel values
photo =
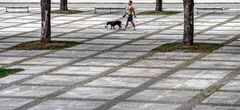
(7, 45)
(222, 57)
(122, 36)
(8, 60)
(184, 83)
(32, 91)
(30, 70)
(56, 80)
(93, 93)
(164, 37)
(18, 29)
(67, 105)
(121, 54)
(22, 53)
(136, 48)
(78, 70)
(48, 61)
(107, 41)
(222, 32)
(164, 95)
(12, 103)
(102, 62)
(173, 56)
(149, 42)
(215, 65)
(223, 98)
(12, 78)
(157, 63)
(91, 47)
(118, 82)
(232, 85)
(214, 107)
(143, 106)
(144, 72)
(229, 49)
(71, 54)
(205, 74)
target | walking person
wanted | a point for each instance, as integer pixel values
(130, 13)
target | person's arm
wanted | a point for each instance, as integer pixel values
(134, 13)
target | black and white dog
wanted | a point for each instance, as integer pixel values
(113, 24)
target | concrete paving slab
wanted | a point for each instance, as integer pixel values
(164, 95)
(67, 105)
(117, 82)
(28, 91)
(143, 106)
(93, 93)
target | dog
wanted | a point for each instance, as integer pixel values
(113, 24)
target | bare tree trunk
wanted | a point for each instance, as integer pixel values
(188, 21)
(46, 21)
(159, 5)
(64, 5)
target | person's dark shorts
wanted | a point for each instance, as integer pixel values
(130, 18)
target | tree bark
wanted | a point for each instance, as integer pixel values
(63, 5)
(188, 22)
(159, 5)
(46, 21)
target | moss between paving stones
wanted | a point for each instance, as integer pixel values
(196, 48)
(158, 13)
(6, 72)
(37, 45)
(66, 12)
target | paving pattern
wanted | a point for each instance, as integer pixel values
(115, 70)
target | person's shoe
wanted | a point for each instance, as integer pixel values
(124, 29)
(134, 29)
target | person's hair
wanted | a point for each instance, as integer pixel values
(130, 1)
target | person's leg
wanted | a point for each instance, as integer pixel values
(126, 25)
(133, 24)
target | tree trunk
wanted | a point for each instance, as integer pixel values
(63, 5)
(159, 5)
(188, 22)
(46, 21)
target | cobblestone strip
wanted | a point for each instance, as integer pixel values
(67, 88)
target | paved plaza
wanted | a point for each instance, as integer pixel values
(116, 70)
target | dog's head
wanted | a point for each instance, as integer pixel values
(108, 23)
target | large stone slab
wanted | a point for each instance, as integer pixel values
(79, 70)
(28, 91)
(48, 61)
(205, 74)
(157, 63)
(224, 98)
(184, 83)
(56, 80)
(163, 95)
(102, 62)
(67, 105)
(139, 72)
(12, 103)
(93, 93)
(143, 106)
(118, 82)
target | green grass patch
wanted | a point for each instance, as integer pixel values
(66, 11)
(158, 13)
(37, 45)
(6, 72)
(196, 48)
